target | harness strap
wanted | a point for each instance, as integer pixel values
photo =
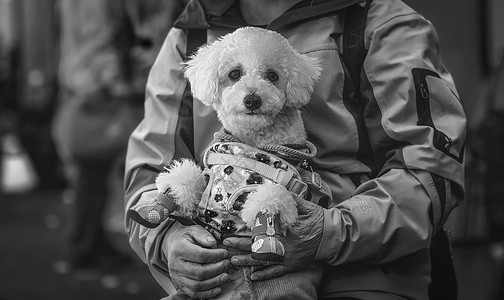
(284, 177)
(297, 186)
(277, 175)
(313, 179)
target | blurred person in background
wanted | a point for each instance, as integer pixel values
(106, 51)
(5, 101)
(8, 105)
(7, 98)
(486, 148)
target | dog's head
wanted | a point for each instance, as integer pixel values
(250, 76)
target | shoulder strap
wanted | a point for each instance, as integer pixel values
(352, 58)
(195, 39)
(354, 51)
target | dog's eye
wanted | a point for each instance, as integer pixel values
(272, 76)
(234, 75)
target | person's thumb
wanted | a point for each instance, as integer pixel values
(201, 236)
(305, 207)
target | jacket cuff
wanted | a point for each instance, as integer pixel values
(157, 242)
(166, 241)
(149, 243)
(331, 236)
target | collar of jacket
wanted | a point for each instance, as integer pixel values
(225, 14)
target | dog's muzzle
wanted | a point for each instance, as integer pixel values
(252, 102)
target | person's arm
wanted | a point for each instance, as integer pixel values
(179, 257)
(152, 145)
(416, 127)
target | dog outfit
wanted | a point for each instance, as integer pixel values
(234, 170)
(237, 169)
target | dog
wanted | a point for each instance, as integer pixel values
(257, 83)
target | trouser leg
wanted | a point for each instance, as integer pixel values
(88, 239)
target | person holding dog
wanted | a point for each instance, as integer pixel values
(391, 150)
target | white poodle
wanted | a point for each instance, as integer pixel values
(257, 84)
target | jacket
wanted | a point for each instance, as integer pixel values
(407, 135)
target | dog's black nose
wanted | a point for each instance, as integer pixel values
(252, 101)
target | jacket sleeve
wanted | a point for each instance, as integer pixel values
(416, 129)
(155, 142)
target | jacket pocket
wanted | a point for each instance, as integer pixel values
(438, 108)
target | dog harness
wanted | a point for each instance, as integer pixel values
(234, 169)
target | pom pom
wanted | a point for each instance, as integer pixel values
(186, 183)
(274, 199)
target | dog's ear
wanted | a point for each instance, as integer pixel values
(202, 72)
(299, 85)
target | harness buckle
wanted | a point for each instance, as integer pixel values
(316, 179)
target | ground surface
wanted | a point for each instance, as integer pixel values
(33, 236)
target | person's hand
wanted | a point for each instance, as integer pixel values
(195, 265)
(301, 244)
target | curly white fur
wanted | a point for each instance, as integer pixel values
(274, 199)
(255, 53)
(187, 184)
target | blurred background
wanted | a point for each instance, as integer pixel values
(65, 63)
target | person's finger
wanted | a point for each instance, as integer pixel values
(205, 285)
(204, 289)
(189, 251)
(304, 206)
(247, 261)
(270, 272)
(201, 272)
(210, 294)
(196, 254)
(242, 243)
(202, 237)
